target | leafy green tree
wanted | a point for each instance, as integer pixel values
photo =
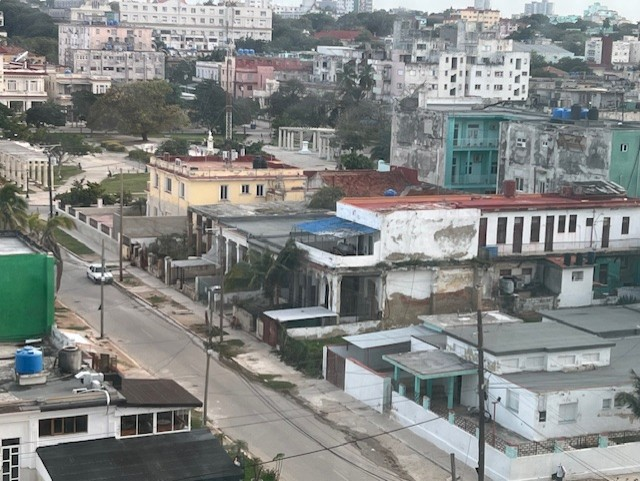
(259, 46)
(355, 161)
(569, 64)
(46, 46)
(44, 233)
(13, 208)
(82, 101)
(382, 147)
(281, 272)
(139, 108)
(47, 113)
(83, 194)
(632, 399)
(289, 93)
(22, 20)
(537, 65)
(359, 126)
(65, 146)
(181, 72)
(326, 198)
(210, 104)
(320, 21)
(175, 246)
(174, 147)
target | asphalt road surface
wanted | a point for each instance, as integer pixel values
(268, 421)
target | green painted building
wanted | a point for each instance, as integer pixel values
(27, 289)
(472, 145)
(624, 168)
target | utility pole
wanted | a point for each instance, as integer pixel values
(121, 220)
(102, 294)
(453, 466)
(481, 400)
(222, 270)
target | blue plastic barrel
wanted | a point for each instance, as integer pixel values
(28, 360)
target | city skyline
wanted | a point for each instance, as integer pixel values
(509, 7)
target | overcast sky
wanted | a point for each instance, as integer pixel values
(628, 8)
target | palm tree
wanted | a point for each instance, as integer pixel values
(13, 208)
(281, 271)
(44, 232)
(632, 399)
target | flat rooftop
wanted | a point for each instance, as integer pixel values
(431, 364)
(602, 321)
(387, 338)
(14, 245)
(440, 322)
(487, 203)
(296, 314)
(625, 357)
(512, 338)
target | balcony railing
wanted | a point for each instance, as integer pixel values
(559, 248)
(485, 143)
(471, 179)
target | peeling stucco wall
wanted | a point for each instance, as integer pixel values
(417, 141)
(553, 154)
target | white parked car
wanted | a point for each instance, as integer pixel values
(94, 272)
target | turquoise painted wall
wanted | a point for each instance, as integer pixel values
(27, 296)
(625, 160)
(471, 158)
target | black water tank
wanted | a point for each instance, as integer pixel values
(567, 259)
(593, 113)
(591, 257)
(576, 111)
(579, 259)
(259, 163)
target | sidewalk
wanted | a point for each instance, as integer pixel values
(400, 449)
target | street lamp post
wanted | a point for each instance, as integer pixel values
(48, 149)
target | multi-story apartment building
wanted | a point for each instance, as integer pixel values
(357, 260)
(487, 17)
(598, 50)
(121, 53)
(626, 51)
(177, 183)
(189, 28)
(61, 85)
(543, 7)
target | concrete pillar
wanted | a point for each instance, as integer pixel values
(416, 389)
(301, 138)
(426, 402)
(429, 387)
(198, 232)
(227, 253)
(280, 137)
(313, 141)
(450, 384)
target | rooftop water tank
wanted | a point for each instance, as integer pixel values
(70, 359)
(28, 360)
(556, 113)
(390, 193)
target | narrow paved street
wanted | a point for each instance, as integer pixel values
(268, 421)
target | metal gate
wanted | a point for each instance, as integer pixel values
(335, 369)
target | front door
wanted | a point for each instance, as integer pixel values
(517, 234)
(548, 234)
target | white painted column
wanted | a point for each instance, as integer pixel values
(280, 137)
(227, 262)
(301, 139)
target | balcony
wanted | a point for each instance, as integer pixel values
(559, 248)
(476, 144)
(473, 181)
(335, 260)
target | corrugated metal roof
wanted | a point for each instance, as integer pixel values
(335, 227)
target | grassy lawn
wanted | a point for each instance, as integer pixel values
(134, 183)
(71, 243)
(67, 170)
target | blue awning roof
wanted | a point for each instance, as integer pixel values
(335, 227)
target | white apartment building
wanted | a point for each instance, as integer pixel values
(186, 27)
(593, 50)
(626, 51)
(208, 71)
(22, 87)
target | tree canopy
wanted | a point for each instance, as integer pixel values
(139, 108)
(326, 198)
(210, 103)
(47, 113)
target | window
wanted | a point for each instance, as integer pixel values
(535, 229)
(513, 401)
(181, 190)
(505, 272)
(535, 363)
(59, 426)
(624, 147)
(567, 360)
(172, 421)
(136, 424)
(167, 185)
(625, 225)
(542, 416)
(591, 357)
(568, 413)
(156, 180)
(224, 192)
(606, 403)
(521, 142)
(589, 221)
(501, 235)
(519, 183)
(245, 188)
(10, 464)
(577, 276)
(260, 190)
(562, 220)
(573, 221)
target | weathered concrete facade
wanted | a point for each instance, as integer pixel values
(541, 157)
(418, 137)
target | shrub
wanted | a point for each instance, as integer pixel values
(112, 146)
(139, 155)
